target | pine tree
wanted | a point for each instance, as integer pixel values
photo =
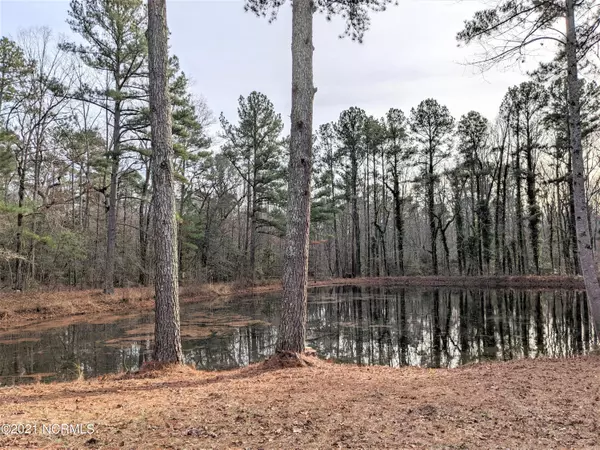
(326, 202)
(397, 154)
(167, 332)
(374, 139)
(432, 127)
(115, 44)
(254, 147)
(350, 130)
(13, 68)
(292, 326)
(473, 131)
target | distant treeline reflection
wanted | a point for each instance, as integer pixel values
(447, 328)
(362, 325)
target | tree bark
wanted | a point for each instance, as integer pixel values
(111, 236)
(459, 229)
(356, 267)
(253, 231)
(182, 196)
(572, 233)
(534, 213)
(19, 281)
(335, 227)
(431, 212)
(143, 231)
(292, 327)
(520, 257)
(167, 333)
(398, 216)
(586, 256)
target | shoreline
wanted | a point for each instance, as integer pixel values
(18, 309)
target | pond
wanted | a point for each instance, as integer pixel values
(364, 325)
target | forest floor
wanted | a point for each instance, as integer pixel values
(23, 308)
(542, 403)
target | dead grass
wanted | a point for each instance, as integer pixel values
(18, 309)
(544, 403)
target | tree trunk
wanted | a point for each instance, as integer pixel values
(520, 258)
(382, 230)
(367, 214)
(534, 213)
(19, 282)
(167, 334)
(503, 218)
(253, 232)
(375, 238)
(356, 267)
(498, 208)
(575, 261)
(431, 214)
(182, 195)
(398, 216)
(399, 222)
(459, 229)
(143, 231)
(111, 237)
(292, 327)
(335, 227)
(445, 247)
(586, 256)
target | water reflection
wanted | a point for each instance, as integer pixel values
(362, 325)
(443, 328)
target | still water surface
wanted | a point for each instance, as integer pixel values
(363, 325)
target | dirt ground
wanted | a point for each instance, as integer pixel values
(19, 309)
(544, 403)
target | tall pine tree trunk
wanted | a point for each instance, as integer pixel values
(338, 272)
(356, 256)
(522, 249)
(584, 247)
(575, 261)
(292, 326)
(431, 213)
(19, 281)
(167, 333)
(182, 195)
(459, 229)
(534, 213)
(143, 231)
(497, 214)
(398, 217)
(111, 236)
(253, 233)
(376, 230)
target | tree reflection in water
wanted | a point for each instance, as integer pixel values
(361, 325)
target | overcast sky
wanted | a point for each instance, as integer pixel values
(409, 54)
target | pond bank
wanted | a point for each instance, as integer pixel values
(543, 403)
(17, 309)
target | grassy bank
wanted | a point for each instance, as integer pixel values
(540, 403)
(17, 309)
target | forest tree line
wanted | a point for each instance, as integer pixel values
(410, 193)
